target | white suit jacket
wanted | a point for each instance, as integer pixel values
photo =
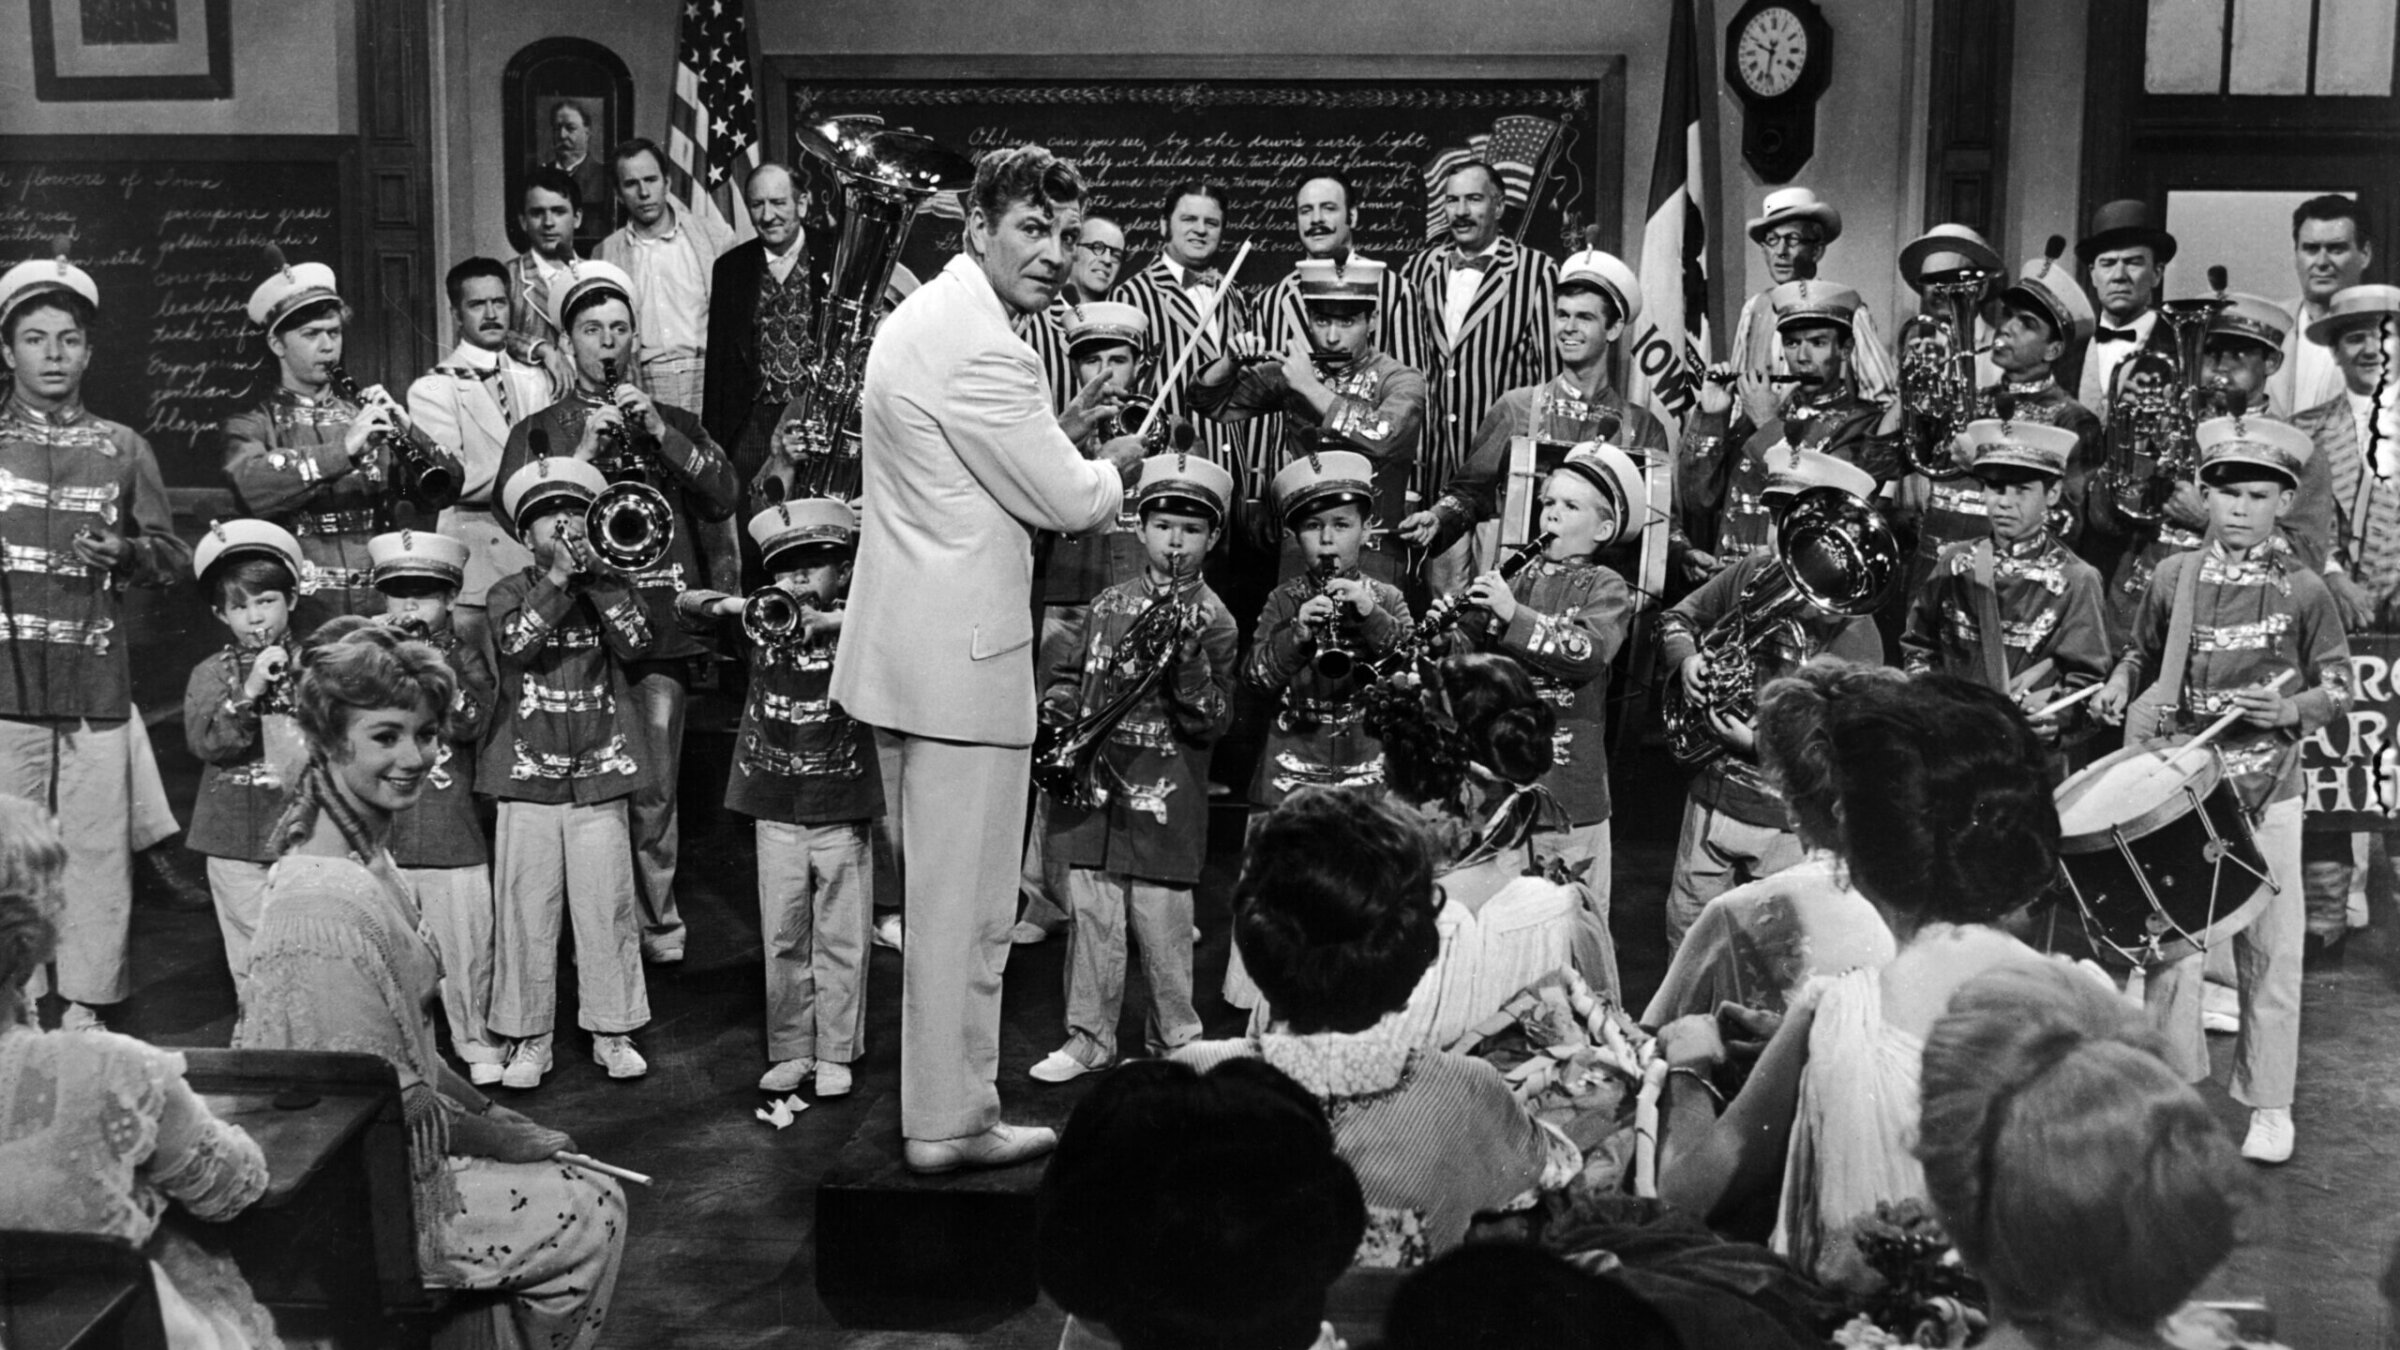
(963, 460)
(454, 406)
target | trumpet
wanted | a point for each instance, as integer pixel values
(1335, 658)
(417, 476)
(1445, 613)
(1167, 435)
(2156, 409)
(1066, 755)
(630, 524)
(775, 616)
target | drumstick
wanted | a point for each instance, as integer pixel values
(2232, 715)
(2062, 704)
(1174, 378)
(592, 1164)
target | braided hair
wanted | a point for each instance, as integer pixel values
(32, 859)
(350, 665)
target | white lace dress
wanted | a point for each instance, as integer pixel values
(1855, 1123)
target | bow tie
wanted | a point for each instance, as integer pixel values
(1481, 262)
(1210, 278)
(2104, 333)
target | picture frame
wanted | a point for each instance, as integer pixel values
(91, 51)
(538, 80)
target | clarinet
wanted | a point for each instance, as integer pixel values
(1445, 613)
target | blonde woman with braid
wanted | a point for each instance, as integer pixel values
(338, 965)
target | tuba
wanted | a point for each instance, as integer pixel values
(2155, 410)
(630, 524)
(1937, 368)
(1066, 755)
(886, 176)
(417, 476)
(772, 616)
(1832, 553)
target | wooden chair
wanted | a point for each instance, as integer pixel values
(71, 1291)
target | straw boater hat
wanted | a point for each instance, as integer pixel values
(586, 278)
(1098, 323)
(233, 540)
(289, 288)
(1184, 482)
(787, 532)
(2121, 224)
(1798, 304)
(1620, 481)
(1322, 479)
(1610, 274)
(53, 275)
(1944, 249)
(544, 480)
(1995, 443)
(416, 553)
(1795, 203)
(2257, 442)
(2051, 288)
(2355, 307)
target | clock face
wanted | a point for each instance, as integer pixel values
(1772, 51)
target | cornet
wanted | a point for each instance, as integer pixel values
(1335, 658)
(631, 523)
(775, 616)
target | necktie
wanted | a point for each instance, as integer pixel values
(1208, 279)
(497, 381)
(1481, 262)
(2104, 333)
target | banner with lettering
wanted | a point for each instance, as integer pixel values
(2347, 767)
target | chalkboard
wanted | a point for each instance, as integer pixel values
(1136, 126)
(174, 228)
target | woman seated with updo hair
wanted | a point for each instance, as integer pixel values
(1336, 914)
(338, 965)
(1465, 742)
(98, 1132)
(2077, 1175)
(1938, 809)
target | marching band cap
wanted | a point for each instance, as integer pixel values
(1801, 303)
(583, 278)
(39, 276)
(1620, 481)
(2254, 317)
(290, 288)
(2354, 307)
(2047, 286)
(2121, 224)
(1178, 480)
(1791, 472)
(1607, 271)
(545, 479)
(1326, 478)
(416, 553)
(2262, 442)
(1355, 280)
(1795, 203)
(1097, 323)
(793, 526)
(233, 540)
(1946, 248)
(902, 285)
(1990, 443)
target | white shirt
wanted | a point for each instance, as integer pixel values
(1189, 277)
(781, 264)
(2100, 366)
(670, 281)
(1459, 287)
(2310, 376)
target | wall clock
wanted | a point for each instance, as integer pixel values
(1779, 60)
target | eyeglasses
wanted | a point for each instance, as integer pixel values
(1785, 241)
(1108, 252)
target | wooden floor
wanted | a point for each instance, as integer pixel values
(722, 1249)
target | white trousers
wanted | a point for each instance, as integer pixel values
(456, 903)
(576, 860)
(2266, 962)
(816, 886)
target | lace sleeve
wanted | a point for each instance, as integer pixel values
(214, 1168)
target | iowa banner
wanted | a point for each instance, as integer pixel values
(2347, 767)
(1670, 342)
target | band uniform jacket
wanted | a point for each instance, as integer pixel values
(1075, 567)
(458, 405)
(2255, 616)
(737, 377)
(1396, 331)
(241, 794)
(1571, 618)
(1318, 737)
(441, 829)
(60, 473)
(1476, 488)
(1503, 342)
(1954, 510)
(1378, 410)
(1733, 783)
(798, 758)
(2328, 520)
(1724, 471)
(529, 319)
(963, 460)
(686, 466)
(1174, 318)
(2047, 600)
(285, 460)
(1154, 763)
(564, 728)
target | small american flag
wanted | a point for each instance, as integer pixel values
(712, 121)
(1520, 149)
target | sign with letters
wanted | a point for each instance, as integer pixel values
(2348, 766)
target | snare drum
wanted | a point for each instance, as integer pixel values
(2157, 856)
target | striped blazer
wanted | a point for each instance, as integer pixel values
(1046, 333)
(1503, 343)
(1174, 323)
(2365, 535)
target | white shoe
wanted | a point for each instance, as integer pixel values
(833, 1080)
(528, 1060)
(786, 1075)
(1061, 1066)
(617, 1055)
(1027, 933)
(2354, 912)
(2221, 1009)
(888, 931)
(2270, 1137)
(483, 1072)
(81, 1017)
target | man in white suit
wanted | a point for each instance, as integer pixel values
(466, 404)
(963, 460)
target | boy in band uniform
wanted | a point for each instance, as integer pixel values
(2022, 581)
(237, 720)
(805, 771)
(1736, 825)
(2240, 625)
(1133, 860)
(439, 844)
(563, 759)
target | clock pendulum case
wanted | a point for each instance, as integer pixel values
(1779, 60)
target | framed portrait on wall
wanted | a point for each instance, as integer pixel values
(566, 102)
(115, 50)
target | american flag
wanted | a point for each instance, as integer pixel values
(1519, 148)
(712, 121)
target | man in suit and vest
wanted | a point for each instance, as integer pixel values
(548, 216)
(1793, 229)
(2125, 258)
(2333, 241)
(571, 154)
(762, 317)
(965, 457)
(1482, 328)
(466, 405)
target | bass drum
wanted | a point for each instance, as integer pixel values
(2156, 857)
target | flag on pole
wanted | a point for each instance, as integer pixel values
(1671, 343)
(712, 120)
(1520, 149)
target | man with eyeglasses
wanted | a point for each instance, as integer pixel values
(1792, 231)
(1099, 256)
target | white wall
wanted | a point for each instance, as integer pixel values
(295, 73)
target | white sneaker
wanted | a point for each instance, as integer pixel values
(888, 931)
(2354, 910)
(833, 1080)
(483, 1072)
(786, 1075)
(1061, 1066)
(528, 1060)
(617, 1055)
(1027, 933)
(2270, 1137)
(2221, 1009)
(81, 1017)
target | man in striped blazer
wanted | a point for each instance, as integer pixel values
(1482, 307)
(1170, 293)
